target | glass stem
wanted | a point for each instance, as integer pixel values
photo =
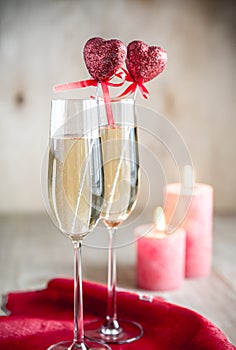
(111, 326)
(111, 303)
(78, 294)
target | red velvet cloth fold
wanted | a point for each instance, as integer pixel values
(41, 318)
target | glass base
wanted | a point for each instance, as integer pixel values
(87, 345)
(129, 332)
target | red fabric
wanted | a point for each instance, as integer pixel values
(41, 318)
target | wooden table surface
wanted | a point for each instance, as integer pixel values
(32, 251)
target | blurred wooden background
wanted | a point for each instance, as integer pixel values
(41, 44)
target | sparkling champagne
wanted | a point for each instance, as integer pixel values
(75, 186)
(121, 172)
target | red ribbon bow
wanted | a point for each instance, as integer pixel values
(132, 88)
(92, 82)
(123, 75)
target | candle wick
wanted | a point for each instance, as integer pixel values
(188, 177)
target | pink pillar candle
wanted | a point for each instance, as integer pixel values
(160, 258)
(192, 209)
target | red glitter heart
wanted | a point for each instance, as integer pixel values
(145, 62)
(104, 57)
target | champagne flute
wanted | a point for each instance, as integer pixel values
(75, 190)
(121, 180)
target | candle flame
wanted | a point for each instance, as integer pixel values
(188, 176)
(159, 219)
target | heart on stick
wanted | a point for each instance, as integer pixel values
(145, 62)
(104, 57)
